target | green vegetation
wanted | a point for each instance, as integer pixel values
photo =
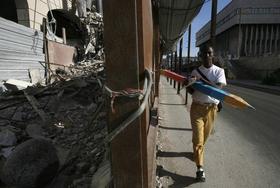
(273, 78)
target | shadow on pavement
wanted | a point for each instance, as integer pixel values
(175, 128)
(179, 181)
(188, 155)
(162, 103)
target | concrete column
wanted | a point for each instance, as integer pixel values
(171, 63)
(167, 64)
(265, 40)
(251, 39)
(99, 6)
(276, 39)
(261, 41)
(256, 38)
(239, 35)
(246, 40)
(271, 38)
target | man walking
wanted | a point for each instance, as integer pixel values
(204, 108)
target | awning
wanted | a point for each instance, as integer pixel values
(174, 18)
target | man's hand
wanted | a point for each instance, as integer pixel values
(190, 80)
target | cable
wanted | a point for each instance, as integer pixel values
(134, 115)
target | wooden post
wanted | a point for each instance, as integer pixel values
(157, 53)
(125, 64)
(64, 35)
(47, 63)
(175, 67)
(180, 64)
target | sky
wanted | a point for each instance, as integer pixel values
(198, 22)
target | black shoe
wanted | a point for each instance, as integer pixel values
(200, 175)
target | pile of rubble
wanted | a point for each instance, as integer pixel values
(68, 117)
(53, 135)
(95, 27)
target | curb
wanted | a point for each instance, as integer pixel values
(257, 87)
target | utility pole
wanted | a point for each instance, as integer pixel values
(189, 44)
(189, 55)
(213, 24)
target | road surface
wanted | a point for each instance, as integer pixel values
(243, 151)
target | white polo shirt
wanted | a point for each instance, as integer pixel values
(216, 75)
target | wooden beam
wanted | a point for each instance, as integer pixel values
(128, 36)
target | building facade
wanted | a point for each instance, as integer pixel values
(245, 28)
(30, 13)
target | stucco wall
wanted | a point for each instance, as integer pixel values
(32, 14)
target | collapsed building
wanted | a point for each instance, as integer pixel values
(53, 120)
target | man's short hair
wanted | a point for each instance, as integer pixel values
(204, 49)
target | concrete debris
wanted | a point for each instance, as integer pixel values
(5, 152)
(103, 176)
(76, 127)
(34, 130)
(82, 68)
(35, 76)
(7, 138)
(81, 7)
(95, 27)
(32, 164)
(58, 129)
(15, 85)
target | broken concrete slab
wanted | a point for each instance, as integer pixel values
(35, 76)
(14, 85)
(32, 164)
(7, 138)
(103, 175)
(6, 151)
(34, 131)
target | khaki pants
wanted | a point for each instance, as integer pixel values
(202, 119)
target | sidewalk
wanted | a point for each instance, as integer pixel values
(174, 165)
(256, 85)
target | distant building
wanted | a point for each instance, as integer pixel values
(245, 28)
(248, 34)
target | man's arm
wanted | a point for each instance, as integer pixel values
(221, 80)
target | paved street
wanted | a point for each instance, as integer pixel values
(244, 150)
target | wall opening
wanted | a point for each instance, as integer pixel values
(8, 10)
(75, 30)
